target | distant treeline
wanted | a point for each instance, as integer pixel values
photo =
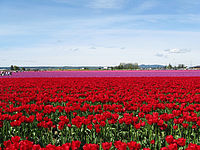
(127, 66)
(135, 66)
(121, 66)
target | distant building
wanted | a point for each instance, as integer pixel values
(196, 67)
(84, 68)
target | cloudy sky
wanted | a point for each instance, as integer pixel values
(99, 32)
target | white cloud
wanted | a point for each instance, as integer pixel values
(107, 4)
(74, 49)
(93, 47)
(177, 51)
(172, 53)
(160, 55)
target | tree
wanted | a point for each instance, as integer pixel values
(23, 69)
(11, 67)
(16, 68)
(121, 66)
(181, 66)
(169, 66)
(136, 66)
(127, 66)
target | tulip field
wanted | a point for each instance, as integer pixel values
(100, 113)
(105, 73)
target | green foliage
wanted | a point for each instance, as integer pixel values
(16, 68)
(11, 67)
(127, 66)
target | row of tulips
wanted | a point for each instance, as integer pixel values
(173, 144)
(106, 73)
(99, 110)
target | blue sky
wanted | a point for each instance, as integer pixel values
(99, 32)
